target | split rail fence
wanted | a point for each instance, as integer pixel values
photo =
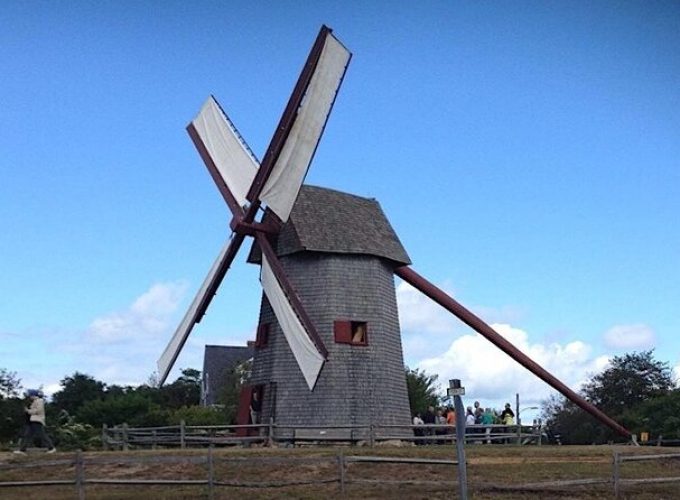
(341, 462)
(620, 458)
(338, 471)
(124, 437)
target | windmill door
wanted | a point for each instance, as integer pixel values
(249, 409)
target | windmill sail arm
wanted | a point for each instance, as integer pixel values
(198, 306)
(481, 327)
(291, 296)
(308, 358)
(283, 184)
(299, 129)
(230, 161)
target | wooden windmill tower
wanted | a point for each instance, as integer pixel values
(328, 348)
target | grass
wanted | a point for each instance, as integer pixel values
(491, 470)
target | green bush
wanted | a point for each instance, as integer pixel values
(198, 415)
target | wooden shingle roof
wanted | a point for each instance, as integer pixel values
(325, 220)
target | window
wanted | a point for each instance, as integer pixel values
(262, 337)
(351, 332)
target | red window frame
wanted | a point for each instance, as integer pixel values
(345, 330)
(262, 335)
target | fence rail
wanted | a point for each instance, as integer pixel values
(80, 480)
(83, 475)
(620, 458)
(124, 437)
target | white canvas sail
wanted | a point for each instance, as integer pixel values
(307, 356)
(232, 157)
(283, 185)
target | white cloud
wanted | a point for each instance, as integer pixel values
(418, 313)
(148, 316)
(490, 374)
(637, 336)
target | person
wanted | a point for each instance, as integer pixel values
(508, 416)
(417, 421)
(429, 419)
(487, 420)
(469, 417)
(36, 423)
(441, 431)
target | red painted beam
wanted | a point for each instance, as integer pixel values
(473, 321)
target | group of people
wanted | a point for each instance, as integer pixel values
(35, 423)
(476, 415)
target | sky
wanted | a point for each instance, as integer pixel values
(526, 153)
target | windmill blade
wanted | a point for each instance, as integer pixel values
(199, 305)
(448, 303)
(308, 357)
(230, 161)
(291, 150)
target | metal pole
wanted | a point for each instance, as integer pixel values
(460, 437)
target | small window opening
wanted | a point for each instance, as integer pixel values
(358, 333)
(351, 332)
(262, 337)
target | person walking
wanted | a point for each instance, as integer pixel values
(36, 423)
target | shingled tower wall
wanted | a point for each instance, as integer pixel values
(338, 277)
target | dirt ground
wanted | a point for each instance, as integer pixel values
(494, 471)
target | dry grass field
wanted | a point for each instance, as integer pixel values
(499, 472)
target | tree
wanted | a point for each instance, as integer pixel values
(10, 385)
(185, 391)
(659, 416)
(628, 381)
(76, 390)
(230, 389)
(422, 391)
(11, 407)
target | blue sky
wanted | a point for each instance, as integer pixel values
(527, 154)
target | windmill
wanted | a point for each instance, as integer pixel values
(328, 349)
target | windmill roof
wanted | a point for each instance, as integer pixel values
(325, 220)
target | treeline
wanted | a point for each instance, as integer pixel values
(636, 390)
(76, 413)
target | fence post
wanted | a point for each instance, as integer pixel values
(271, 432)
(105, 440)
(125, 437)
(616, 475)
(182, 434)
(79, 475)
(153, 439)
(341, 469)
(371, 435)
(211, 473)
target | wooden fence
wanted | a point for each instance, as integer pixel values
(620, 458)
(124, 437)
(81, 479)
(340, 463)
